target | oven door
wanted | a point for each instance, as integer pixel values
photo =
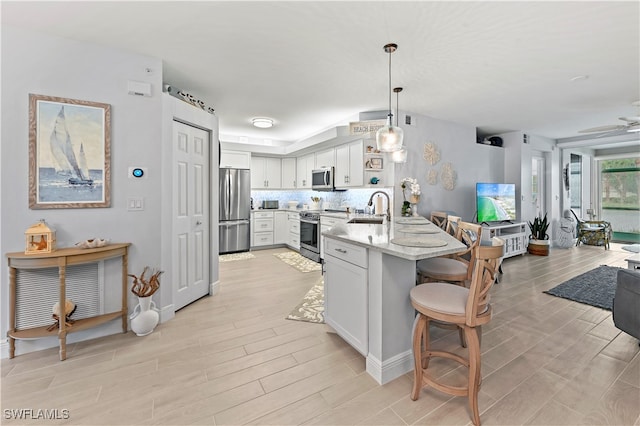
(309, 234)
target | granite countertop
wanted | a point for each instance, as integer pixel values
(378, 237)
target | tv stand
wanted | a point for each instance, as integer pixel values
(513, 234)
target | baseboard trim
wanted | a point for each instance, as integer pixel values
(394, 367)
(214, 288)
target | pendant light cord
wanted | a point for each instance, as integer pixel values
(390, 114)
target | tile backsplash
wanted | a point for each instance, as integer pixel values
(352, 198)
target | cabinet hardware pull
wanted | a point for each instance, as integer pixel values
(341, 251)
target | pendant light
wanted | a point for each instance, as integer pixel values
(399, 156)
(389, 138)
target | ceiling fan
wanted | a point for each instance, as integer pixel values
(632, 124)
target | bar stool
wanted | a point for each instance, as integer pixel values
(455, 268)
(439, 219)
(469, 309)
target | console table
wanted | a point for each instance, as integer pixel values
(513, 234)
(61, 259)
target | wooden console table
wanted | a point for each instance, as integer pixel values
(61, 259)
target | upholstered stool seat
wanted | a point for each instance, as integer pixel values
(445, 268)
(454, 268)
(466, 308)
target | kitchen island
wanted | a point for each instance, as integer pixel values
(367, 282)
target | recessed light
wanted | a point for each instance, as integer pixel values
(263, 123)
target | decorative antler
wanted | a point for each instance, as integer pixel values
(143, 288)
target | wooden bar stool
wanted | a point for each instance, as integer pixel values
(467, 308)
(454, 268)
(439, 219)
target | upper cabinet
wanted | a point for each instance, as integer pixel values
(304, 166)
(349, 165)
(235, 159)
(289, 173)
(266, 173)
(326, 158)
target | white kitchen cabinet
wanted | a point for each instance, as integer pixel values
(289, 173)
(349, 165)
(325, 159)
(326, 223)
(294, 230)
(281, 228)
(266, 173)
(262, 230)
(346, 293)
(304, 166)
(235, 159)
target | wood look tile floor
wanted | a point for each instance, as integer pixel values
(233, 359)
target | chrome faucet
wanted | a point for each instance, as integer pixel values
(370, 203)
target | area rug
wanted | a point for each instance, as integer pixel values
(311, 309)
(299, 262)
(596, 287)
(633, 248)
(235, 256)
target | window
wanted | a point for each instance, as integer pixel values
(575, 182)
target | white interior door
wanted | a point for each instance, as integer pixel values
(190, 214)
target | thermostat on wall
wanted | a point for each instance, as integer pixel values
(137, 172)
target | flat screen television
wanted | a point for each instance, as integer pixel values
(496, 202)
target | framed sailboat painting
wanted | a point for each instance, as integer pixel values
(69, 153)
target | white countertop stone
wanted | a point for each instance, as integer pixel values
(378, 237)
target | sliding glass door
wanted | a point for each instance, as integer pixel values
(619, 181)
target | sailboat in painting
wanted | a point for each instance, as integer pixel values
(62, 150)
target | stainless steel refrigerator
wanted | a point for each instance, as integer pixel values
(235, 210)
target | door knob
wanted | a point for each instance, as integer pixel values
(198, 223)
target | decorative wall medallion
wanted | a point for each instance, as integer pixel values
(431, 153)
(432, 177)
(448, 177)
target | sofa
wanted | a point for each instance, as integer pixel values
(626, 302)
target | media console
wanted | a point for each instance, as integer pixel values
(513, 234)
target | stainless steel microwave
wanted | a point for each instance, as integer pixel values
(322, 179)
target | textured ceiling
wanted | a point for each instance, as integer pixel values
(499, 66)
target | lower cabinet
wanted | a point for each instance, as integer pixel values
(281, 228)
(294, 231)
(346, 307)
(262, 229)
(326, 223)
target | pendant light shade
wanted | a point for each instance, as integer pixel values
(389, 138)
(399, 156)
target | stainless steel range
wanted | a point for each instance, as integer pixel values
(310, 235)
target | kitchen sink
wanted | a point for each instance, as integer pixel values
(369, 220)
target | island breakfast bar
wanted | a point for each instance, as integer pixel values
(368, 277)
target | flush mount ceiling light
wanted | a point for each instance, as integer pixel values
(389, 138)
(263, 123)
(399, 156)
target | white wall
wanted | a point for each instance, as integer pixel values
(34, 63)
(457, 145)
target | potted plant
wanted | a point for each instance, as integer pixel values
(539, 239)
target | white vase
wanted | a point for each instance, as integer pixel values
(145, 316)
(414, 210)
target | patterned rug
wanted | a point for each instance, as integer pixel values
(235, 256)
(311, 309)
(596, 287)
(299, 262)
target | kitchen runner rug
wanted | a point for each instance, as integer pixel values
(235, 256)
(299, 262)
(311, 309)
(633, 248)
(596, 287)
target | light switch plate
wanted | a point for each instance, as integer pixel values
(135, 204)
